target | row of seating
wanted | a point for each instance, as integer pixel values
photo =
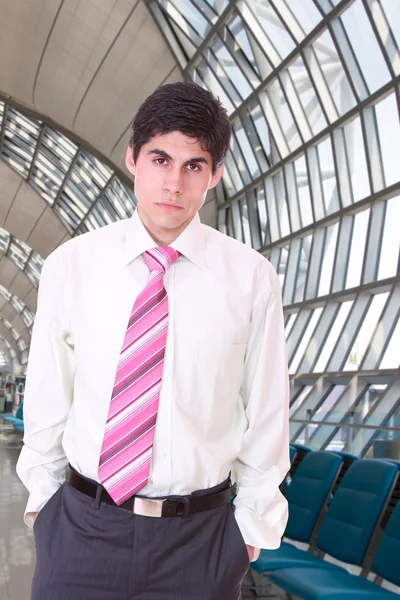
(17, 420)
(356, 522)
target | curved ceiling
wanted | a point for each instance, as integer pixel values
(87, 66)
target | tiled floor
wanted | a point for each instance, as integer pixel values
(16, 541)
(17, 554)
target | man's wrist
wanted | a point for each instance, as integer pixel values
(253, 552)
(256, 554)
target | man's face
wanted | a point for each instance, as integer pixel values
(172, 176)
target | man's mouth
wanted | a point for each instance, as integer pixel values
(169, 207)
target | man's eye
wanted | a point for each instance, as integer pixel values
(160, 161)
(193, 167)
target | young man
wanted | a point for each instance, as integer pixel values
(157, 367)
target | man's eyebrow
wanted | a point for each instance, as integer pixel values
(195, 159)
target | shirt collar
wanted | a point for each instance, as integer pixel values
(191, 242)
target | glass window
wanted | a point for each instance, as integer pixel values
(308, 16)
(20, 138)
(19, 252)
(262, 214)
(294, 365)
(392, 15)
(356, 160)
(34, 268)
(234, 175)
(389, 257)
(203, 76)
(358, 239)
(4, 239)
(261, 126)
(190, 21)
(335, 331)
(280, 118)
(366, 331)
(303, 188)
(244, 214)
(299, 399)
(328, 176)
(243, 146)
(334, 74)
(365, 46)
(328, 403)
(307, 96)
(328, 259)
(239, 33)
(17, 304)
(302, 268)
(283, 259)
(276, 203)
(272, 26)
(290, 323)
(391, 358)
(387, 114)
(231, 68)
(27, 317)
(5, 293)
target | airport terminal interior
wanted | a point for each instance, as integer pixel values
(311, 181)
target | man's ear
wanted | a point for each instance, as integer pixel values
(216, 177)
(130, 165)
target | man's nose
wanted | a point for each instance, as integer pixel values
(173, 182)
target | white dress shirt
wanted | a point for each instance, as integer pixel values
(224, 397)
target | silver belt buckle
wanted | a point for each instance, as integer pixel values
(148, 507)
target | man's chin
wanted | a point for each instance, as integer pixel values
(170, 221)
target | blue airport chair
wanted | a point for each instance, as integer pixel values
(349, 524)
(348, 460)
(319, 584)
(19, 427)
(292, 453)
(307, 496)
(301, 452)
(18, 420)
(19, 415)
(284, 485)
(302, 448)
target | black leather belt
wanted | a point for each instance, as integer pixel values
(172, 506)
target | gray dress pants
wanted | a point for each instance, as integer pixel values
(91, 551)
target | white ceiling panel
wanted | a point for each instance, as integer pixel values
(86, 65)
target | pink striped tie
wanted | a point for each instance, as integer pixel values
(128, 439)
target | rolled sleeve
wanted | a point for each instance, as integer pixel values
(48, 391)
(263, 462)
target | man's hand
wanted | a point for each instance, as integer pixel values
(251, 551)
(34, 516)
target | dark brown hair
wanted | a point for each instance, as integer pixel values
(184, 107)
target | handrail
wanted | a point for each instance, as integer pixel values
(341, 424)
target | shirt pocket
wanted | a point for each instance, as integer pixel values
(216, 379)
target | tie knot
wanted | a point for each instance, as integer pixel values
(160, 258)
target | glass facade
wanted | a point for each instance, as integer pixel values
(312, 182)
(84, 192)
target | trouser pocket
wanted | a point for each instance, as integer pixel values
(46, 509)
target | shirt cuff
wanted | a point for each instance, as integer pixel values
(42, 490)
(263, 531)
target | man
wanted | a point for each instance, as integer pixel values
(157, 367)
